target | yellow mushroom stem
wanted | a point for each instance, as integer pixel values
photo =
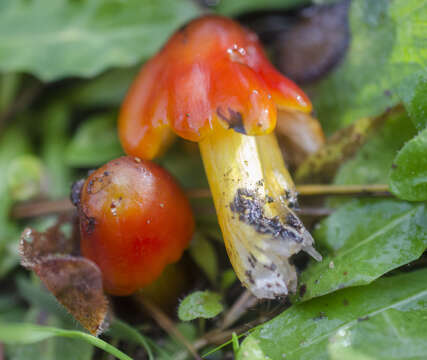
(253, 195)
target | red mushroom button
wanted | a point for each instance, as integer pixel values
(134, 220)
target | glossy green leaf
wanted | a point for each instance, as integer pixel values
(408, 179)
(82, 38)
(387, 48)
(94, 143)
(306, 331)
(395, 334)
(200, 304)
(24, 333)
(362, 241)
(235, 7)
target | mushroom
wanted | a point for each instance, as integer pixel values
(134, 220)
(212, 83)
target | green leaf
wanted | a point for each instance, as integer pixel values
(24, 333)
(200, 304)
(46, 304)
(387, 49)
(204, 254)
(306, 330)
(185, 165)
(9, 85)
(55, 131)
(108, 89)
(364, 240)
(234, 7)
(10, 308)
(227, 279)
(51, 348)
(14, 142)
(175, 346)
(396, 334)
(322, 165)
(408, 179)
(122, 331)
(373, 162)
(82, 38)
(25, 175)
(413, 93)
(94, 143)
(42, 299)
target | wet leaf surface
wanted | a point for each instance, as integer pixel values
(362, 240)
(408, 179)
(311, 330)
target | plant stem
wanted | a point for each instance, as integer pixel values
(46, 207)
(346, 190)
(319, 190)
(41, 208)
(242, 304)
(166, 324)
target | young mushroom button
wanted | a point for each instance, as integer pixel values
(213, 84)
(134, 220)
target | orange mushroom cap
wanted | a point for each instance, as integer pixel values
(134, 220)
(211, 71)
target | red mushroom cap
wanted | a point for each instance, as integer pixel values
(211, 71)
(134, 220)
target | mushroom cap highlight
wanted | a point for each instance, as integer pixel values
(212, 72)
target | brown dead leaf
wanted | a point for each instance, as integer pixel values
(75, 281)
(35, 245)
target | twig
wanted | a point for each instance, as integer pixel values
(167, 324)
(243, 303)
(346, 190)
(45, 207)
(319, 189)
(219, 336)
(41, 207)
(50, 207)
(313, 211)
